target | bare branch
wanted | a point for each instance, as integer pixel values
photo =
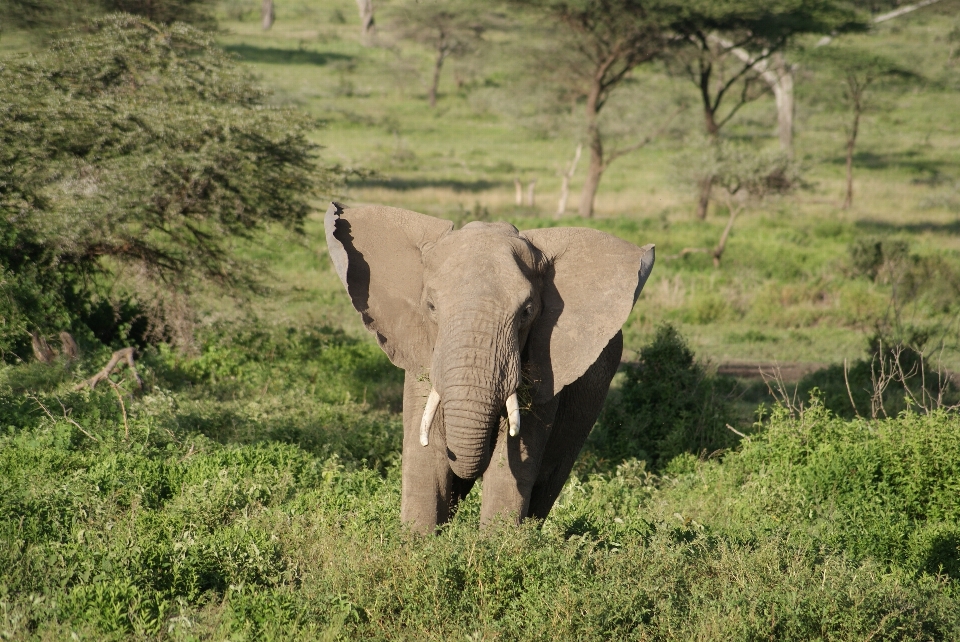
(849, 393)
(617, 153)
(125, 355)
(75, 424)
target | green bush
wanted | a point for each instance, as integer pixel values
(142, 153)
(666, 405)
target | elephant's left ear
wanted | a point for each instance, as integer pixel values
(590, 284)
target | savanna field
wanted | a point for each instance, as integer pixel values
(162, 186)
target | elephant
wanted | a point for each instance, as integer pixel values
(509, 341)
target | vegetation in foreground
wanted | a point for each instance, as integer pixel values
(252, 492)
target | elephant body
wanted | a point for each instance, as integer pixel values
(509, 341)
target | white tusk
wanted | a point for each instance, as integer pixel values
(513, 414)
(431, 409)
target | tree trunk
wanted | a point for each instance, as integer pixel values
(783, 94)
(851, 144)
(565, 185)
(722, 244)
(710, 120)
(435, 83)
(517, 192)
(706, 184)
(266, 14)
(367, 25)
(588, 195)
(530, 193)
(703, 201)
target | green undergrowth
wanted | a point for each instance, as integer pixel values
(249, 492)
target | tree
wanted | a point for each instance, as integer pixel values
(597, 44)
(58, 14)
(267, 14)
(726, 48)
(855, 71)
(745, 176)
(132, 159)
(449, 28)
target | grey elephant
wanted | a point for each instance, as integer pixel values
(509, 341)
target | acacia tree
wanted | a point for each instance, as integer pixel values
(137, 155)
(733, 48)
(745, 177)
(855, 71)
(450, 28)
(597, 44)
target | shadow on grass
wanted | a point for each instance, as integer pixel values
(910, 160)
(918, 227)
(276, 56)
(406, 184)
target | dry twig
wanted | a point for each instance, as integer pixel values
(50, 414)
(123, 409)
(124, 355)
(846, 380)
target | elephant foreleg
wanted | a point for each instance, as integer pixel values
(430, 491)
(510, 477)
(579, 405)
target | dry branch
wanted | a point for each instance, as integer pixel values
(41, 349)
(50, 414)
(124, 355)
(70, 349)
(685, 251)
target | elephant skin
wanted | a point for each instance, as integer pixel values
(483, 318)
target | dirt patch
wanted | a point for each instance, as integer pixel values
(755, 370)
(789, 372)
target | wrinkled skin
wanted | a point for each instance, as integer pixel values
(478, 315)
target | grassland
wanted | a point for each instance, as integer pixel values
(251, 490)
(787, 275)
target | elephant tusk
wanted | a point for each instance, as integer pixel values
(513, 414)
(433, 401)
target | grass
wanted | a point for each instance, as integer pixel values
(248, 502)
(785, 272)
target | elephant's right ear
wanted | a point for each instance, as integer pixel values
(377, 252)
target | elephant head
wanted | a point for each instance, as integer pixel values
(484, 310)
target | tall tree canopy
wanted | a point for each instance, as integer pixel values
(732, 52)
(40, 14)
(136, 150)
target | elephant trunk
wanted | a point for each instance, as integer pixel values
(477, 379)
(469, 426)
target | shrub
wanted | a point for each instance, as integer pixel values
(144, 153)
(667, 405)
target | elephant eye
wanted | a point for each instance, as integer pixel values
(430, 306)
(526, 312)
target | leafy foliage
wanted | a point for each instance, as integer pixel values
(58, 14)
(290, 527)
(138, 152)
(666, 406)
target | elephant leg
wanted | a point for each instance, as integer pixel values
(430, 491)
(509, 478)
(578, 408)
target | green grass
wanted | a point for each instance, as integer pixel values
(247, 494)
(785, 273)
